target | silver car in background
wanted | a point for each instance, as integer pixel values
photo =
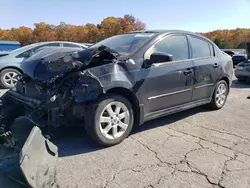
(242, 71)
(10, 62)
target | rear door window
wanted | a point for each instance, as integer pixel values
(201, 48)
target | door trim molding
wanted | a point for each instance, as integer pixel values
(172, 110)
(205, 85)
(167, 94)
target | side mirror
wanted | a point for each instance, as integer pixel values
(160, 57)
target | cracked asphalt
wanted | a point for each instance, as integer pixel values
(195, 148)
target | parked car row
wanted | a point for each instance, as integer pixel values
(10, 62)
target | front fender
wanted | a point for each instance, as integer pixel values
(88, 88)
(116, 84)
(4, 65)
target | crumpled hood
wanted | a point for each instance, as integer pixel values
(51, 62)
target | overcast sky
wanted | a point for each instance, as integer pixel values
(192, 15)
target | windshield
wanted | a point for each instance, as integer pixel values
(125, 44)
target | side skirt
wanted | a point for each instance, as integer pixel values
(175, 109)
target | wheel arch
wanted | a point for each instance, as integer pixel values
(131, 97)
(12, 67)
(226, 79)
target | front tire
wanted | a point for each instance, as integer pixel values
(219, 96)
(109, 120)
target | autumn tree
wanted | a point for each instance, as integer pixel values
(65, 32)
(130, 23)
(111, 26)
(93, 34)
(4, 34)
(72, 33)
(44, 32)
(81, 33)
(221, 43)
(229, 38)
(22, 34)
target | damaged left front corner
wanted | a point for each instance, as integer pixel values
(9, 112)
(93, 88)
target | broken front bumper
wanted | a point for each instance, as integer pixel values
(14, 105)
(41, 113)
(38, 155)
(38, 160)
(22, 100)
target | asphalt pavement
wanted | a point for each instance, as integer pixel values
(196, 148)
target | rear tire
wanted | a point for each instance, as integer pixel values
(8, 78)
(219, 96)
(109, 120)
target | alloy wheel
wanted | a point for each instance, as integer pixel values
(221, 95)
(114, 120)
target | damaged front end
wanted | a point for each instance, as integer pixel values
(54, 90)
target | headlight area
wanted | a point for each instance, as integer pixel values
(87, 91)
(56, 111)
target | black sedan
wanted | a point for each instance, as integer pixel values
(120, 82)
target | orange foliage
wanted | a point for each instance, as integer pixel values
(65, 32)
(110, 26)
(235, 38)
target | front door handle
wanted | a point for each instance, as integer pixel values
(188, 71)
(215, 65)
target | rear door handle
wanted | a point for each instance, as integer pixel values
(188, 71)
(215, 65)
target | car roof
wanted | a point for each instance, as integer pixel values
(28, 47)
(47, 42)
(165, 31)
